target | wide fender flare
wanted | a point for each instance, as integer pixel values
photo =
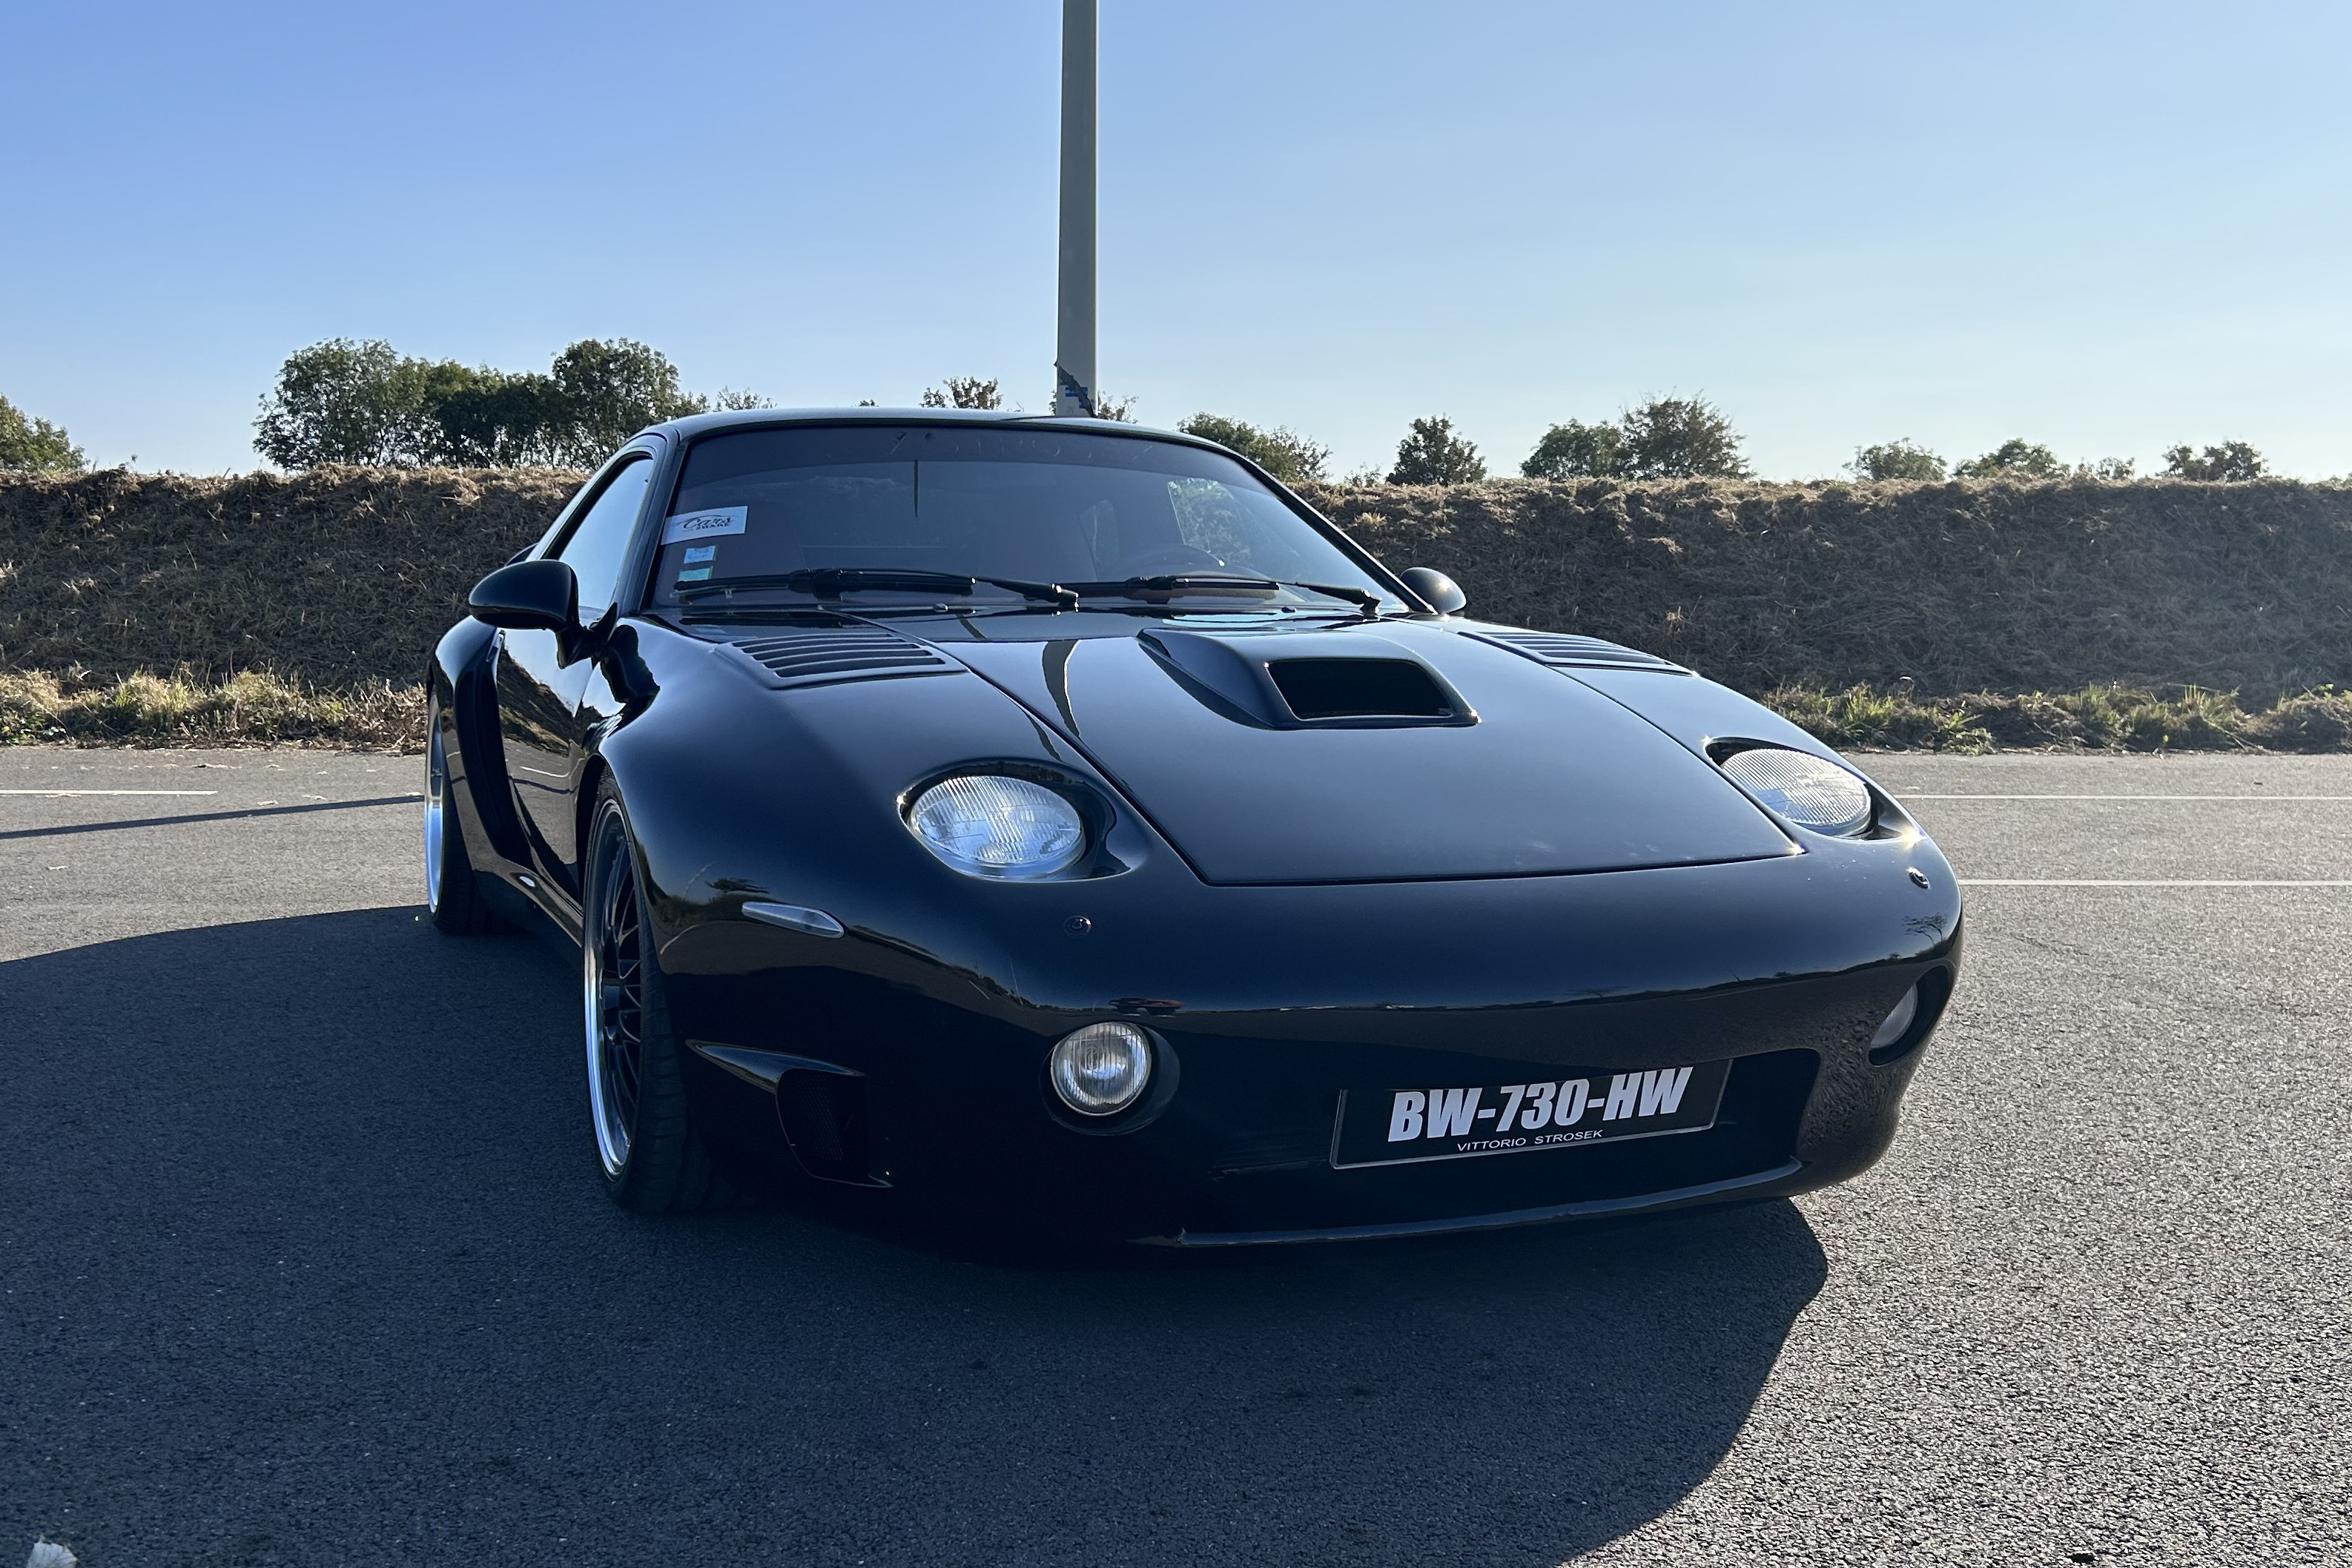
(738, 792)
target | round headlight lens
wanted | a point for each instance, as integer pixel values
(985, 824)
(1811, 791)
(1898, 1022)
(1101, 1068)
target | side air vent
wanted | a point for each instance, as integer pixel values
(817, 654)
(1563, 651)
(823, 1116)
(1359, 688)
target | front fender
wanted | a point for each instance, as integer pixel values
(738, 791)
(462, 691)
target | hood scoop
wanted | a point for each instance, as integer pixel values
(1271, 681)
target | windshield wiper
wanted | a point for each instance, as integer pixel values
(1362, 598)
(833, 581)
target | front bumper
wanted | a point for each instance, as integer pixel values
(946, 1087)
(945, 995)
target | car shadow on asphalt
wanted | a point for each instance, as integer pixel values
(303, 1233)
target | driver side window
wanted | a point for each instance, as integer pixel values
(600, 542)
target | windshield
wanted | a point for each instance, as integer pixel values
(1090, 512)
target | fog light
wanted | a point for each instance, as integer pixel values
(1898, 1022)
(1101, 1068)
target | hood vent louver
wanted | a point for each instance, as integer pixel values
(816, 655)
(1563, 650)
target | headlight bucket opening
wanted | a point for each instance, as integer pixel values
(1806, 790)
(1011, 822)
(1899, 1036)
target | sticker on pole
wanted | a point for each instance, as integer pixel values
(708, 523)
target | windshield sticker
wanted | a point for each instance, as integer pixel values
(704, 524)
(698, 574)
(697, 554)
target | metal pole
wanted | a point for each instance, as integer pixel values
(1073, 343)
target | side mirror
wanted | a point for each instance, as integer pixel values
(529, 596)
(1436, 590)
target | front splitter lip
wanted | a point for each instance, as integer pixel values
(1589, 1208)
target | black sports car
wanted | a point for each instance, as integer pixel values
(1060, 821)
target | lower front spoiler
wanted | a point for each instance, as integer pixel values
(1589, 1208)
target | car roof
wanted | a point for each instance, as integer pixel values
(696, 424)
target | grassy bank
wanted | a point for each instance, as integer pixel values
(1960, 587)
(1967, 615)
(343, 577)
(142, 709)
(2095, 718)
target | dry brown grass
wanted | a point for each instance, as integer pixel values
(248, 710)
(2109, 717)
(1879, 614)
(334, 579)
(1967, 586)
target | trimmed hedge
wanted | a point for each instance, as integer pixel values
(343, 577)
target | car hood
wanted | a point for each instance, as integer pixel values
(1512, 769)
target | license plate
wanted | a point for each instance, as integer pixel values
(1405, 1127)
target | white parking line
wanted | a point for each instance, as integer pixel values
(1903, 795)
(2090, 882)
(55, 792)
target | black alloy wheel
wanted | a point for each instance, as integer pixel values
(651, 1158)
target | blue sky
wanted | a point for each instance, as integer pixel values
(2110, 228)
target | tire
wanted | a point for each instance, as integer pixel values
(452, 895)
(652, 1160)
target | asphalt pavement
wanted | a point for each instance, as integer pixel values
(302, 1260)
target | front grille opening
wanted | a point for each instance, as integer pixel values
(1359, 688)
(823, 1116)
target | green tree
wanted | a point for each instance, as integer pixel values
(2016, 459)
(35, 444)
(1434, 454)
(495, 420)
(1903, 459)
(1284, 453)
(1681, 438)
(2231, 463)
(1576, 450)
(965, 392)
(609, 388)
(341, 402)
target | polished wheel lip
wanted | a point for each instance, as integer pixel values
(612, 982)
(436, 817)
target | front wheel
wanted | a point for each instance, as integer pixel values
(653, 1162)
